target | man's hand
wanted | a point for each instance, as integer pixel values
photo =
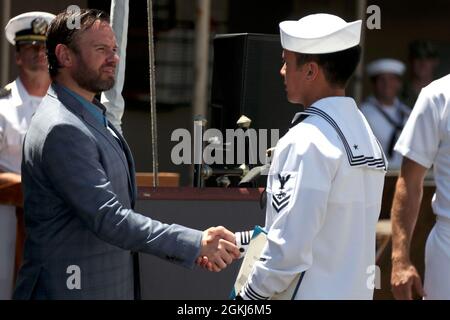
(405, 281)
(218, 249)
(8, 179)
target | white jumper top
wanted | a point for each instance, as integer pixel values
(324, 194)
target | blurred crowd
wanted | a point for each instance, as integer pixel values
(395, 87)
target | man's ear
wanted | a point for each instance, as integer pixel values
(312, 70)
(64, 55)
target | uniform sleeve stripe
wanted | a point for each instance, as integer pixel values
(245, 237)
(253, 295)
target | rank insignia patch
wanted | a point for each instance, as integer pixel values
(281, 199)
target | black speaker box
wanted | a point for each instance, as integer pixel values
(247, 81)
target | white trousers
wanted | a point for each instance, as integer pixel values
(8, 225)
(437, 261)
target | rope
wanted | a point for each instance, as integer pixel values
(151, 49)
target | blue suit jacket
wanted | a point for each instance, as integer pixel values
(79, 191)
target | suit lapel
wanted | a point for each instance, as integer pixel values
(130, 160)
(125, 155)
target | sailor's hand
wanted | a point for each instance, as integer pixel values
(218, 249)
(203, 262)
(405, 281)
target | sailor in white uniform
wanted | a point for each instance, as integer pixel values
(384, 111)
(18, 102)
(326, 179)
(424, 142)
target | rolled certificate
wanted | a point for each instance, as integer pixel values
(251, 244)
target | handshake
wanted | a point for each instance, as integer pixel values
(218, 249)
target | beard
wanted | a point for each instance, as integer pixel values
(90, 79)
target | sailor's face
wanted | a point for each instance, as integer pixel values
(293, 75)
(32, 56)
(97, 58)
(387, 86)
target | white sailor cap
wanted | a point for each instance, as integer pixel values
(319, 33)
(380, 66)
(29, 27)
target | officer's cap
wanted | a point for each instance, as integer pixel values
(29, 27)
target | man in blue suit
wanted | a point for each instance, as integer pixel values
(79, 183)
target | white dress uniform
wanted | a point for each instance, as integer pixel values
(324, 187)
(426, 140)
(16, 110)
(324, 195)
(387, 123)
